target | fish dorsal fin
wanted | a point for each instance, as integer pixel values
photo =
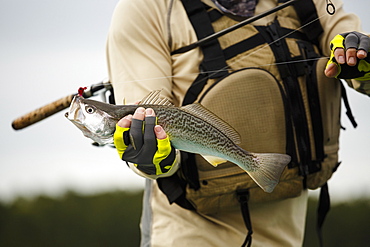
(200, 111)
(155, 98)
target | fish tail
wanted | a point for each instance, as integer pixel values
(269, 167)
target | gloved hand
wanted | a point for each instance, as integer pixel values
(140, 141)
(348, 59)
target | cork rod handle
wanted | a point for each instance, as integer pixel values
(42, 112)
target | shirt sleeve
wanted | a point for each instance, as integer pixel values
(138, 56)
(138, 53)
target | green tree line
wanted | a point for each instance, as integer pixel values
(112, 219)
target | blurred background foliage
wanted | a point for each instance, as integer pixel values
(112, 219)
(109, 219)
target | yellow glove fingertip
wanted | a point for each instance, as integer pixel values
(164, 149)
(337, 42)
(164, 146)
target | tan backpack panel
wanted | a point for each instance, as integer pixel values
(250, 100)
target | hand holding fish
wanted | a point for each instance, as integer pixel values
(147, 147)
(139, 114)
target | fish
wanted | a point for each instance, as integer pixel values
(191, 128)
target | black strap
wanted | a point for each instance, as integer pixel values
(214, 63)
(322, 210)
(195, 89)
(307, 14)
(311, 26)
(189, 170)
(243, 46)
(174, 189)
(308, 52)
(290, 139)
(214, 15)
(214, 60)
(257, 40)
(346, 104)
(243, 197)
(289, 73)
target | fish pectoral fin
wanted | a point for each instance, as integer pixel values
(213, 160)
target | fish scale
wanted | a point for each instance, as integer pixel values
(191, 128)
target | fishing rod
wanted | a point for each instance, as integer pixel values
(330, 8)
(232, 28)
(59, 105)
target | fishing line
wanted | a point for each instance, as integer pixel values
(245, 56)
(214, 71)
(227, 68)
(269, 44)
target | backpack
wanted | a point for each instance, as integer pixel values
(287, 107)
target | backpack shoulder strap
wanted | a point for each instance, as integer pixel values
(307, 14)
(214, 62)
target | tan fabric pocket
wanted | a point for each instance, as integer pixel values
(252, 102)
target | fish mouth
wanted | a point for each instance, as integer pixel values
(76, 116)
(74, 111)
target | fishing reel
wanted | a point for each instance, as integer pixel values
(103, 89)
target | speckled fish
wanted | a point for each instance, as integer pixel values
(191, 128)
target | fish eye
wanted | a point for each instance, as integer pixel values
(90, 109)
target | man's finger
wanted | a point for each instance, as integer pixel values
(149, 112)
(136, 130)
(364, 43)
(159, 132)
(351, 41)
(351, 56)
(339, 56)
(125, 122)
(361, 54)
(139, 114)
(149, 135)
(331, 70)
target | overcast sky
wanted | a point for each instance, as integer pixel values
(48, 49)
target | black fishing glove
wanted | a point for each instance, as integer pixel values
(139, 145)
(359, 41)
